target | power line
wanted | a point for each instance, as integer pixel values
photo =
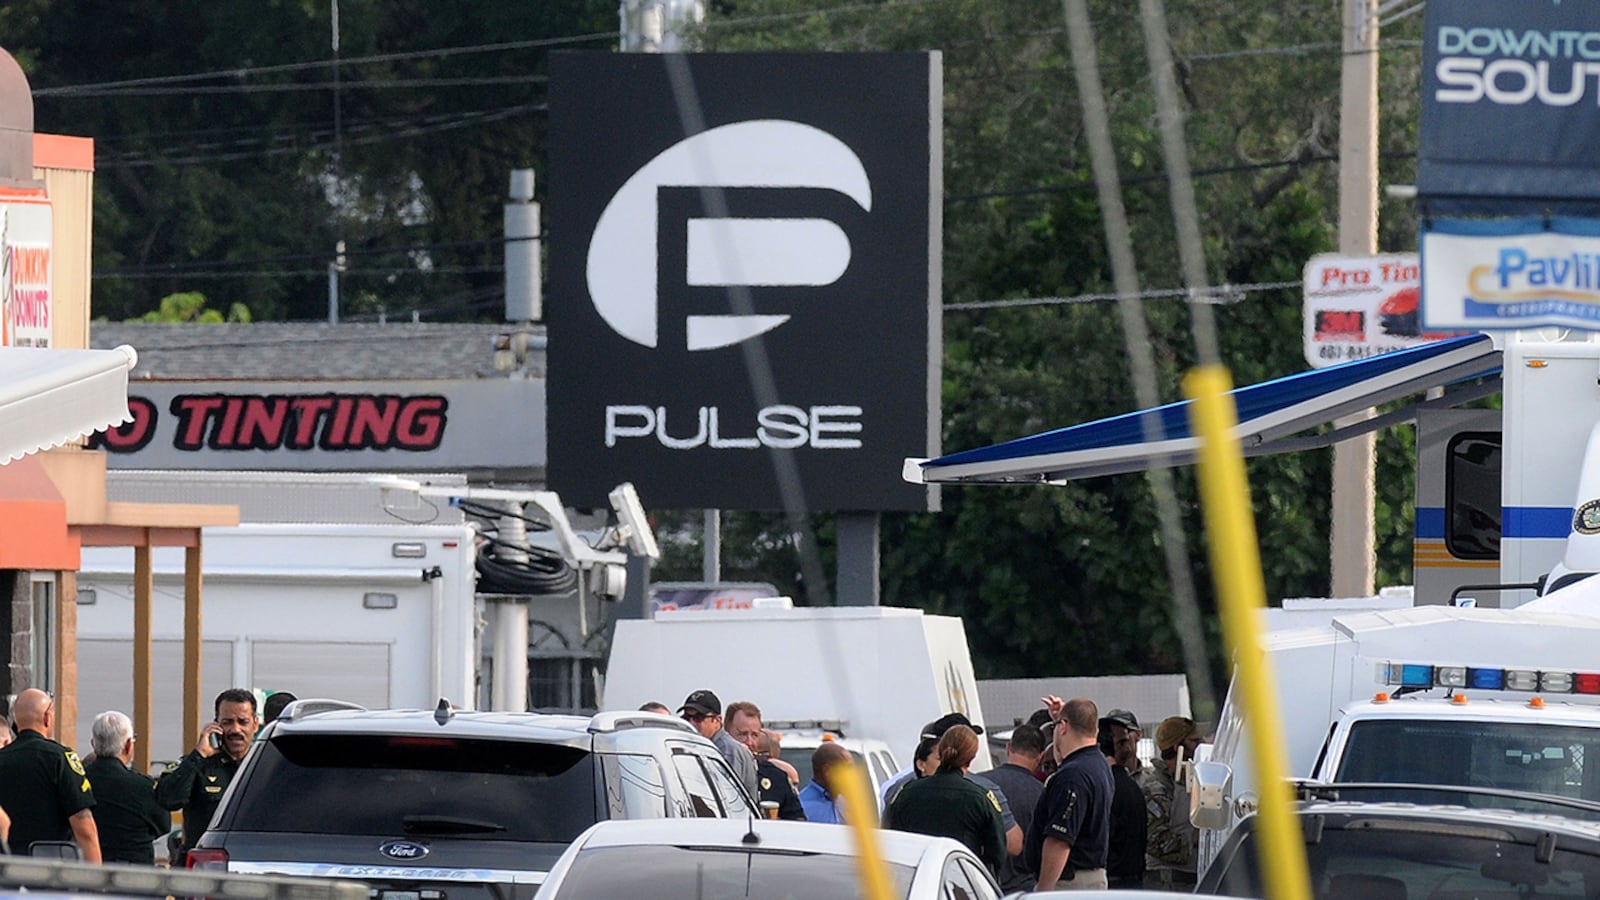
(251, 71)
(295, 273)
(1226, 294)
(890, 6)
(395, 133)
(1161, 177)
(298, 87)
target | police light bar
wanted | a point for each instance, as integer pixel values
(1425, 675)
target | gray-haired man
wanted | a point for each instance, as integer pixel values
(125, 809)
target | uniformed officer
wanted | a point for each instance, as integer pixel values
(948, 804)
(42, 784)
(196, 782)
(125, 808)
(1070, 834)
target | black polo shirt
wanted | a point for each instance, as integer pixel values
(775, 786)
(1075, 808)
(126, 813)
(42, 785)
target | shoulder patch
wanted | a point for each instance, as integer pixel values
(76, 765)
(170, 766)
(84, 788)
(992, 801)
(766, 784)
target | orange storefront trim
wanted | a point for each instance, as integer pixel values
(60, 151)
(33, 520)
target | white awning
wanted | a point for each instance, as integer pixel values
(49, 397)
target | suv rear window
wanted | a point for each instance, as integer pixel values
(420, 786)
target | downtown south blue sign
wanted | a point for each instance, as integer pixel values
(1510, 108)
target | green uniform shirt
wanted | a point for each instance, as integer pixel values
(126, 813)
(195, 784)
(42, 785)
(946, 804)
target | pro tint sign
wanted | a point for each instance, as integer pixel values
(746, 279)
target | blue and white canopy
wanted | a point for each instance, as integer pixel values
(1270, 414)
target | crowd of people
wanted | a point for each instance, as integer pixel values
(101, 805)
(1073, 807)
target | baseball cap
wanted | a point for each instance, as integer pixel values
(939, 726)
(1120, 717)
(703, 702)
(1174, 730)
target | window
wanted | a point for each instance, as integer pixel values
(43, 587)
(1472, 495)
(637, 789)
(983, 884)
(1391, 857)
(957, 884)
(1524, 757)
(696, 785)
(734, 802)
(421, 786)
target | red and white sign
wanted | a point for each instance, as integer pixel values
(1362, 306)
(26, 292)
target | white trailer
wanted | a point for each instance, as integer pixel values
(381, 615)
(875, 672)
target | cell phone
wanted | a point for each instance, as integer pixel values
(215, 740)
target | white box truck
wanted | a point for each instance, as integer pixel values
(380, 615)
(874, 672)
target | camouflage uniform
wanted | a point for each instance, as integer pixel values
(1169, 858)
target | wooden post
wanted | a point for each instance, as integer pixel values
(143, 588)
(192, 708)
(66, 656)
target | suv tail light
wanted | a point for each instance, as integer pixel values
(209, 860)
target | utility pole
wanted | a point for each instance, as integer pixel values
(1354, 461)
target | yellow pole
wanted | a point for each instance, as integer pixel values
(1236, 568)
(861, 816)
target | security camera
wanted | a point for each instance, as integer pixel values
(634, 528)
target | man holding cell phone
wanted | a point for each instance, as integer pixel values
(196, 782)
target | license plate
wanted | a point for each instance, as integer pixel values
(399, 895)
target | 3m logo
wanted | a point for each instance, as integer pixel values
(727, 250)
(1341, 324)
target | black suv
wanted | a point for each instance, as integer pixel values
(452, 805)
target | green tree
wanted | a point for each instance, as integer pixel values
(239, 184)
(191, 307)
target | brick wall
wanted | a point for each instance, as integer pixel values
(16, 631)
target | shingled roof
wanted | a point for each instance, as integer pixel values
(313, 351)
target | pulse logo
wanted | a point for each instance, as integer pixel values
(730, 251)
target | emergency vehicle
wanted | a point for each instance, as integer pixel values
(1465, 687)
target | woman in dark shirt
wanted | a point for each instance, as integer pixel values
(946, 804)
